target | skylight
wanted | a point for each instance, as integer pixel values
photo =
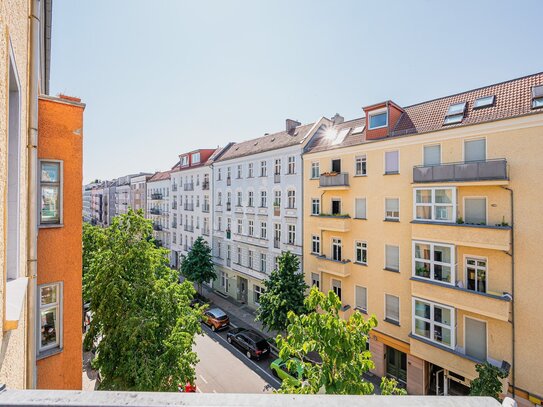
(341, 135)
(455, 114)
(484, 101)
(359, 129)
(537, 97)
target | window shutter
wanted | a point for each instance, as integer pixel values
(475, 339)
(475, 150)
(392, 307)
(393, 257)
(361, 299)
(432, 155)
(475, 210)
(391, 162)
(360, 211)
(392, 205)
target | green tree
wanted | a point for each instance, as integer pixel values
(488, 382)
(143, 325)
(93, 240)
(284, 292)
(340, 343)
(197, 266)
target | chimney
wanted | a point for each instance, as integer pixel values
(338, 119)
(291, 125)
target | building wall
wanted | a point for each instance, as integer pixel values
(60, 248)
(517, 140)
(162, 204)
(13, 30)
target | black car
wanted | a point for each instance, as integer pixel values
(251, 342)
(198, 301)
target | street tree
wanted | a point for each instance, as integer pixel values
(340, 346)
(284, 291)
(197, 266)
(488, 383)
(93, 241)
(143, 327)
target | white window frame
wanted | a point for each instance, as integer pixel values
(399, 258)
(250, 255)
(258, 291)
(432, 323)
(433, 205)
(318, 280)
(291, 167)
(196, 158)
(240, 226)
(467, 257)
(366, 205)
(60, 222)
(394, 218)
(433, 263)
(263, 262)
(291, 199)
(251, 227)
(58, 305)
(363, 247)
(385, 162)
(440, 154)
(340, 295)
(315, 165)
(263, 230)
(315, 240)
(464, 332)
(473, 139)
(291, 234)
(263, 199)
(377, 112)
(361, 159)
(263, 169)
(250, 199)
(315, 206)
(336, 241)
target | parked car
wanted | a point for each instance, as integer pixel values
(216, 319)
(280, 370)
(198, 301)
(251, 342)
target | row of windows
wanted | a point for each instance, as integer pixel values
(263, 198)
(253, 260)
(249, 228)
(262, 169)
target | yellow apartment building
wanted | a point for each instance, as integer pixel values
(428, 217)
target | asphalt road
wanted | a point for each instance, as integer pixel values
(223, 368)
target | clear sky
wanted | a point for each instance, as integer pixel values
(163, 77)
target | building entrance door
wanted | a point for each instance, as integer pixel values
(397, 365)
(242, 290)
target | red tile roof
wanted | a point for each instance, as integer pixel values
(160, 176)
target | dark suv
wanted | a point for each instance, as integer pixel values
(251, 342)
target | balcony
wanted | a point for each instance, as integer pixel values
(488, 170)
(188, 206)
(277, 178)
(154, 211)
(335, 267)
(174, 225)
(205, 208)
(276, 210)
(157, 227)
(189, 186)
(174, 187)
(334, 223)
(486, 237)
(156, 196)
(334, 180)
(490, 305)
(205, 185)
(189, 228)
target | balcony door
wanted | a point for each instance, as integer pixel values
(475, 150)
(336, 166)
(336, 249)
(475, 338)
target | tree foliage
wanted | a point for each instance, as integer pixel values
(488, 382)
(197, 266)
(142, 322)
(93, 241)
(340, 343)
(284, 292)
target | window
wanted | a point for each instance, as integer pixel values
(475, 338)
(263, 169)
(434, 261)
(239, 198)
(485, 101)
(435, 204)
(537, 96)
(392, 308)
(336, 249)
(263, 199)
(219, 246)
(361, 299)
(291, 165)
(250, 200)
(392, 258)
(50, 318)
(258, 292)
(219, 198)
(219, 172)
(277, 170)
(432, 155)
(223, 280)
(316, 280)
(196, 158)
(228, 224)
(263, 230)
(336, 165)
(228, 173)
(336, 206)
(291, 199)
(251, 227)
(392, 209)
(277, 234)
(219, 223)
(392, 165)
(360, 165)
(475, 150)
(185, 161)
(239, 170)
(475, 211)
(360, 208)
(315, 206)
(50, 192)
(455, 114)
(263, 262)
(336, 286)
(250, 259)
(240, 226)
(250, 170)
(291, 234)
(476, 274)
(277, 199)
(433, 322)
(361, 252)
(316, 244)
(315, 170)
(378, 120)
(239, 255)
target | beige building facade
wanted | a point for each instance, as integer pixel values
(430, 222)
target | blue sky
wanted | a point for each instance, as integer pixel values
(163, 77)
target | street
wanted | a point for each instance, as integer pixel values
(225, 369)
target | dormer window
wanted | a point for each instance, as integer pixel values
(196, 158)
(455, 114)
(485, 101)
(184, 160)
(537, 97)
(378, 119)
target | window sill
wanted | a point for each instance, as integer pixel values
(360, 264)
(361, 218)
(363, 311)
(360, 175)
(392, 173)
(15, 298)
(504, 297)
(391, 270)
(51, 225)
(391, 220)
(49, 352)
(390, 321)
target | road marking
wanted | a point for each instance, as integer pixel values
(198, 390)
(233, 325)
(253, 363)
(203, 378)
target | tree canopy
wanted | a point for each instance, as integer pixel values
(197, 266)
(284, 292)
(143, 326)
(488, 382)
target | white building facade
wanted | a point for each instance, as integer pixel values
(158, 207)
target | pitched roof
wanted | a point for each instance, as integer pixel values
(268, 142)
(332, 137)
(160, 176)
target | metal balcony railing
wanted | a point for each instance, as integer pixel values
(228, 206)
(339, 179)
(157, 227)
(205, 208)
(189, 228)
(154, 211)
(462, 171)
(174, 187)
(189, 186)
(188, 206)
(156, 195)
(205, 185)
(174, 225)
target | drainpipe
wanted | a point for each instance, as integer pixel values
(512, 254)
(32, 214)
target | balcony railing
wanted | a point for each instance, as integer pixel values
(154, 211)
(174, 187)
(174, 205)
(205, 208)
(228, 206)
(174, 225)
(157, 227)
(189, 228)
(205, 185)
(333, 179)
(189, 186)
(156, 195)
(487, 170)
(188, 206)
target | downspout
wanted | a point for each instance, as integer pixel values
(32, 214)
(512, 254)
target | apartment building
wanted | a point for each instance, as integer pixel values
(257, 192)
(158, 206)
(138, 192)
(122, 195)
(191, 201)
(427, 217)
(87, 203)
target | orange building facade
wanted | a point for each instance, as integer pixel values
(59, 296)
